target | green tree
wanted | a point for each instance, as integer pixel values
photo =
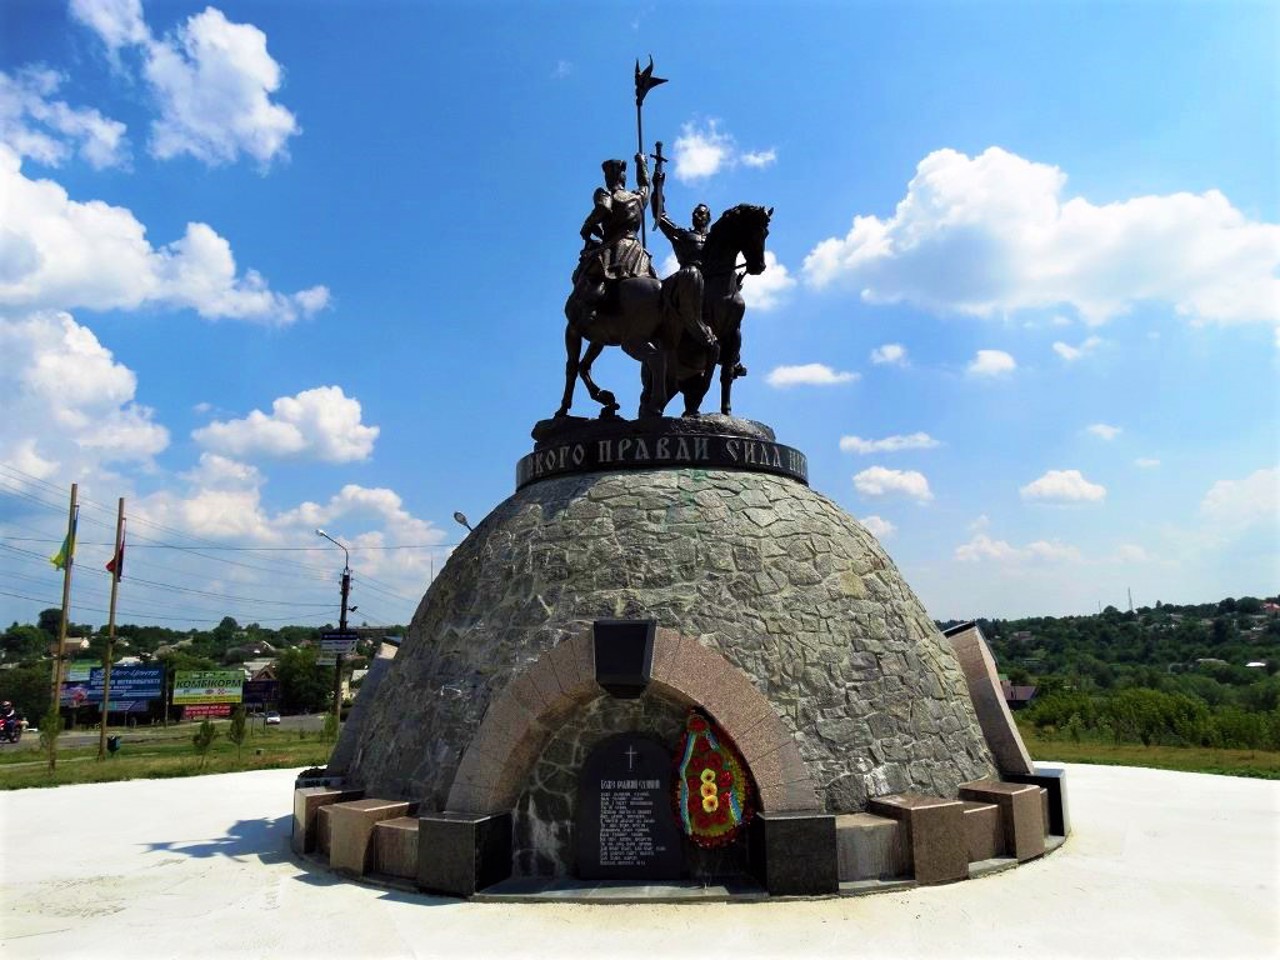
(304, 684)
(50, 727)
(238, 730)
(203, 739)
(27, 688)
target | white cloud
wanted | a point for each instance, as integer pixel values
(1067, 486)
(702, 152)
(69, 404)
(58, 253)
(992, 234)
(991, 363)
(212, 81)
(894, 353)
(46, 130)
(562, 69)
(808, 374)
(118, 22)
(1130, 553)
(881, 481)
(1104, 430)
(760, 158)
(1238, 504)
(878, 527)
(982, 547)
(1146, 463)
(765, 291)
(1070, 354)
(910, 441)
(318, 424)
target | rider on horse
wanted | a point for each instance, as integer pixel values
(687, 245)
(611, 249)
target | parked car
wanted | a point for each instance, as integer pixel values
(272, 717)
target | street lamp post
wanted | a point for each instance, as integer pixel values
(342, 625)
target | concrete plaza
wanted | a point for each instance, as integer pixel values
(1160, 864)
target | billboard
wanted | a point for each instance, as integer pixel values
(127, 683)
(207, 686)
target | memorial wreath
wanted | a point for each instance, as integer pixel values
(713, 797)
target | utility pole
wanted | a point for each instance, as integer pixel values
(116, 566)
(64, 560)
(342, 626)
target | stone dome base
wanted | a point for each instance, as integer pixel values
(757, 582)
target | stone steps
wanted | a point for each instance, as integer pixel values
(901, 838)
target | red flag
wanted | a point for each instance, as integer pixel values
(116, 564)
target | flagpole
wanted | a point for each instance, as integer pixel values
(67, 564)
(117, 562)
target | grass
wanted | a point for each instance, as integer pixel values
(1262, 764)
(163, 754)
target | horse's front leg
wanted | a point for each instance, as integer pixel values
(573, 351)
(605, 398)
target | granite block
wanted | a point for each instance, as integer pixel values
(395, 847)
(869, 848)
(983, 830)
(1053, 779)
(459, 854)
(935, 834)
(351, 829)
(307, 802)
(794, 854)
(1021, 814)
(324, 830)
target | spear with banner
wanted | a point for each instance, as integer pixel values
(645, 81)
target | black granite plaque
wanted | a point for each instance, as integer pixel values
(626, 828)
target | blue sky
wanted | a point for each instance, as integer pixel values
(267, 267)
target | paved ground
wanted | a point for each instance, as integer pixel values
(1160, 865)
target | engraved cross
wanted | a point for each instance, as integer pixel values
(631, 756)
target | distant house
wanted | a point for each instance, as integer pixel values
(70, 647)
(262, 669)
(1017, 696)
(1257, 664)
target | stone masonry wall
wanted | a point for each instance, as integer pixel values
(784, 584)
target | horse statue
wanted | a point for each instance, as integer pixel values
(717, 287)
(651, 321)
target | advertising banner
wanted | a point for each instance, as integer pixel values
(207, 686)
(200, 711)
(127, 683)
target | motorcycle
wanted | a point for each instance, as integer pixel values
(10, 729)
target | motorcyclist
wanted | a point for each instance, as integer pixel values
(9, 722)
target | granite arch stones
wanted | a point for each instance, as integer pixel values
(522, 718)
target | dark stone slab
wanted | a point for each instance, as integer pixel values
(794, 854)
(460, 853)
(1055, 781)
(710, 442)
(626, 828)
(624, 656)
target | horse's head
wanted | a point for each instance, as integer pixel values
(743, 229)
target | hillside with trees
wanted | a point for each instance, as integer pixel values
(1193, 675)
